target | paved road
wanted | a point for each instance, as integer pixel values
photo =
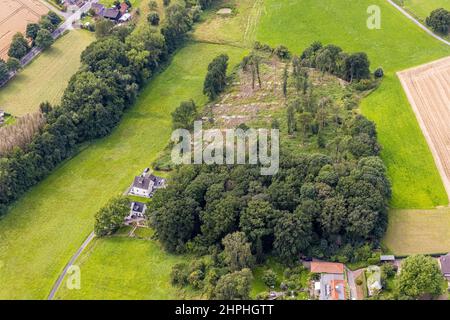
(72, 260)
(410, 17)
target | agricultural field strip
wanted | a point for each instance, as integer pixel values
(428, 90)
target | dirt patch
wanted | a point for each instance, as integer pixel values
(428, 90)
(14, 17)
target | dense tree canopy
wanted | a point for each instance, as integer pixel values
(4, 72)
(216, 78)
(19, 46)
(439, 21)
(420, 275)
(234, 286)
(183, 117)
(43, 39)
(109, 218)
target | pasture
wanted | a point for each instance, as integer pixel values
(14, 17)
(45, 227)
(127, 269)
(239, 29)
(418, 231)
(398, 45)
(422, 8)
(46, 77)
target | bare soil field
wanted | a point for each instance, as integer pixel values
(428, 90)
(14, 17)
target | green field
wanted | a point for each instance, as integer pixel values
(239, 29)
(398, 45)
(46, 77)
(418, 231)
(423, 8)
(47, 225)
(125, 268)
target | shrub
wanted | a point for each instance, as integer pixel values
(178, 275)
(282, 52)
(270, 278)
(153, 18)
(379, 73)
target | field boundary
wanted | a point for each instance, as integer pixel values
(404, 76)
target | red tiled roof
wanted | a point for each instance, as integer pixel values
(123, 7)
(335, 286)
(327, 267)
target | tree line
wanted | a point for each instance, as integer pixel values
(113, 70)
(37, 34)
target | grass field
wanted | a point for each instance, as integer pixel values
(47, 76)
(418, 231)
(238, 29)
(43, 229)
(125, 268)
(398, 45)
(422, 8)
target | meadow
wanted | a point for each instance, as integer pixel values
(46, 77)
(418, 231)
(45, 227)
(398, 45)
(127, 269)
(422, 8)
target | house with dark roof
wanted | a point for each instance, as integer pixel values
(137, 214)
(111, 13)
(146, 184)
(444, 264)
(98, 9)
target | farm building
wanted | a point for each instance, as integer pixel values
(387, 258)
(332, 280)
(126, 17)
(98, 9)
(111, 13)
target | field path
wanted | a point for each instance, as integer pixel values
(410, 17)
(71, 261)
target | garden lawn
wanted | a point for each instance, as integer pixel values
(422, 8)
(125, 268)
(46, 77)
(418, 231)
(397, 46)
(46, 226)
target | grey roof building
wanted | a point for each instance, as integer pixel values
(444, 262)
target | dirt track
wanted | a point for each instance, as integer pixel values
(428, 90)
(14, 17)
